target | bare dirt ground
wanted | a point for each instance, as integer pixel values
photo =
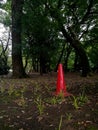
(29, 104)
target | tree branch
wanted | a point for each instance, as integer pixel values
(87, 13)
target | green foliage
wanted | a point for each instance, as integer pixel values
(56, 99)
(91, 46)
(41, 35)
(80, 100)
(68, 116)
(4, 68)
(5, 16)
(40, 105)
(60, 123)
(43, 30)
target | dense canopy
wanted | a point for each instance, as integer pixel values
(48, 32)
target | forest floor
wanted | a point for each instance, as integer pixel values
(30, 104)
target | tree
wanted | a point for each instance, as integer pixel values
(39, 35)
(36, 29)
(4, 40)
(72, 18)
(4, 68)
(17, 64)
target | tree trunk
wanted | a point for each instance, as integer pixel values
(60, 58)
(77, 64)
(17, 64)
(75, 43)
(68, 51)
(72, 39)
(43, 67)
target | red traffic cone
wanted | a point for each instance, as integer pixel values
(61, 86)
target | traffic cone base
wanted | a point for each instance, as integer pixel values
(65, 94)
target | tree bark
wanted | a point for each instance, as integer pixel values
(17, 64)
(73, 40)
(60, 58)
(68, 51)
(75, 43)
